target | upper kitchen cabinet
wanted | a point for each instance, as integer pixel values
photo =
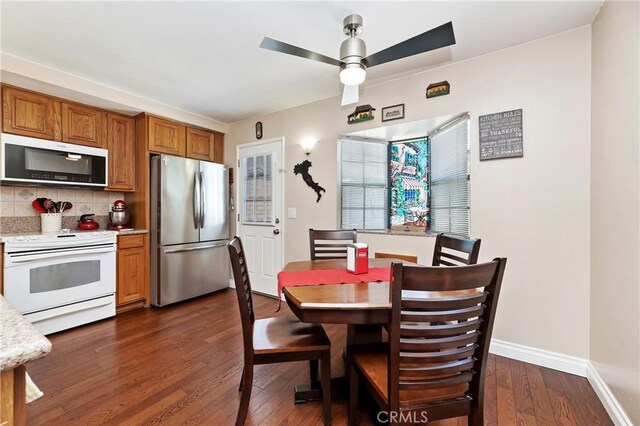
(121, 145)
(166, 136)
(218, 150)
(82, 125)
(29, 114)
(200, 144)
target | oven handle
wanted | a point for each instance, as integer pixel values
(17, 258)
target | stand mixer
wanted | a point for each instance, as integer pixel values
(118, 216)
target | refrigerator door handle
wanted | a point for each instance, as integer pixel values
(196, 200)
(195, 248)
(203, 200)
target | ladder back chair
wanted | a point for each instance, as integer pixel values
(275, 340)
(434, 365)
(330, 244)
(454, 250)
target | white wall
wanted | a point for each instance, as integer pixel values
(533, 210)
(615, 189)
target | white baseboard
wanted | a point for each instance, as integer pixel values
(607, 398)
(567, 363)
(232, 283)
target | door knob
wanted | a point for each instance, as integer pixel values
(276, 231)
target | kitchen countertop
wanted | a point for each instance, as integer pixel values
(75, 231)
(20, 342)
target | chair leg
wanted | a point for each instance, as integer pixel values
(241, 381)
(326, 386)
(313, 370)
(476, 418)
(353, 395)
(247, 384)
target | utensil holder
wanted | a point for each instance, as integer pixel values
(51, 222)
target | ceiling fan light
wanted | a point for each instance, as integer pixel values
(352, 74)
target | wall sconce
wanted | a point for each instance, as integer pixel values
(307, 145)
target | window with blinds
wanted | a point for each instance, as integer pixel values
(364, 177)
(450, 179)
(363, 182)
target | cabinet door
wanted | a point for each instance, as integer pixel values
(82, 125)
(28, 114)
(200, 144)
(132, 275)
(166, 136)
(218, 150)
(120, 142)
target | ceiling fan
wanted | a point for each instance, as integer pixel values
(353, 61)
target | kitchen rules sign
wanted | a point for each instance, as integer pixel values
(501, 135)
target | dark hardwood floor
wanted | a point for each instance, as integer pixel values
(182, 364)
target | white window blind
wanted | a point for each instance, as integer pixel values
(363, 183)
(450, 179)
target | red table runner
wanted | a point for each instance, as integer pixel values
(328, 276)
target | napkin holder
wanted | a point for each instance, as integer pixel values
(358, 258)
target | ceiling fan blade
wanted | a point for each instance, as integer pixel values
(289, 49)
(436, 38)
(350, 95)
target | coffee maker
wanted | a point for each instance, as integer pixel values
(119, 216)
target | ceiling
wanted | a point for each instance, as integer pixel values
(203, 57)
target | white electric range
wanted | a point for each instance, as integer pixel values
(60, 281)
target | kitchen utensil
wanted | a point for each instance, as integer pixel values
(86, 223)
(38, 206)
(49, 205)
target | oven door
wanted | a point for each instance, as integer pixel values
(35, 282)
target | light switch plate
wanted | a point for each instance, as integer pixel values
(291, 213)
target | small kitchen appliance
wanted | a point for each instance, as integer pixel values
(87, 224)
(119, 216)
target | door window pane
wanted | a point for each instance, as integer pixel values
(258, 189)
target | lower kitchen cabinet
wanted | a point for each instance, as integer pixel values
(132, 289)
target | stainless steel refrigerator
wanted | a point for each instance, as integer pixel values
(189, 228)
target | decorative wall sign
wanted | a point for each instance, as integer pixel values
(259, 130)
(362, 113)
(394, 112)
(438, 89)
(501, 135)
(303, 169)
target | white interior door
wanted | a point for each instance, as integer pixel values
(260, 196)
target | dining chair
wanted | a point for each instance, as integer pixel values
(434, 364)
(454, 250)
(276, 340)
(407, 257)
(330, 244)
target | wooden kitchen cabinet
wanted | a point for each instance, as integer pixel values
(166, 136)
(200, 144)
(132, 288)
(121, 146)
(82, 125)
(218, 151)
(29, 114)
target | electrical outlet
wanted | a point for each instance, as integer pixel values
(291, 213)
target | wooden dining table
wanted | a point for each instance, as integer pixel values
(364, 307)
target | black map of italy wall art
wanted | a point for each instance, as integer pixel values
(303, 169)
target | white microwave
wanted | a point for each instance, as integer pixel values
(27, 160)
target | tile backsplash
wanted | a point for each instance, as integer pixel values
(16, 208)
